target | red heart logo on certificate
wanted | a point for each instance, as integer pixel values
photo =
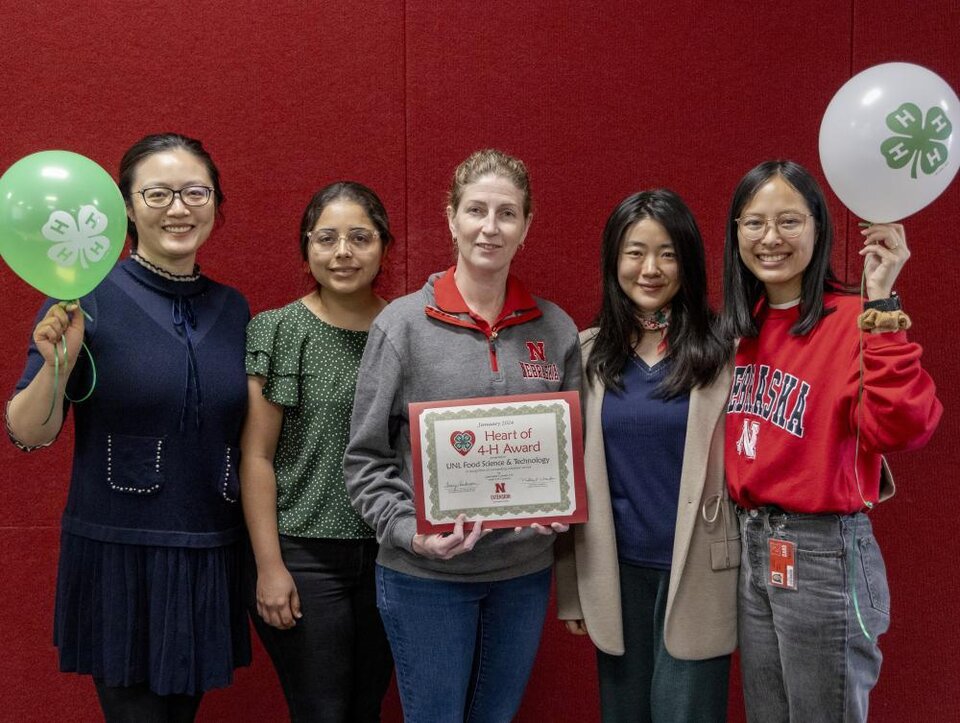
(463, 441)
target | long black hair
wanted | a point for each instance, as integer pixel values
(693, 343)
(157, 143)
(741, 289)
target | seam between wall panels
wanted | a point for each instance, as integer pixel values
(406, 162)
(847, 217)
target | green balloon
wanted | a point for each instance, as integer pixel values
(62, 222)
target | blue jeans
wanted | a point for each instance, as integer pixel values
(463, 650)
(646, 684)
(803, 653)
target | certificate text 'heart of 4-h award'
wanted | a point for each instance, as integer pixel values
(508, 461)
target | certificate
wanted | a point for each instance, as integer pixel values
(508, 461)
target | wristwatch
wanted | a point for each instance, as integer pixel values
(891, 303)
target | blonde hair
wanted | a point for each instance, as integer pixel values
(485, 162)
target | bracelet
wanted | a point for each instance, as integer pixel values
(883, 320)
(16, 442)
(892, 303)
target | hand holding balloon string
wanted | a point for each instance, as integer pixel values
(59, 338)
(884, 253)
(62, 227)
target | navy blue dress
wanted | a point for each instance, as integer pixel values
(149, 582)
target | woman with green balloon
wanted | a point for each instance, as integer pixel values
(149, 599)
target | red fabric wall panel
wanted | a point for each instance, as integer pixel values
(600, 100)
(921, 658)
(287, 97)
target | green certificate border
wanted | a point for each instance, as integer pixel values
(556, 408)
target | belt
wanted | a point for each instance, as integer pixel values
(764, 510)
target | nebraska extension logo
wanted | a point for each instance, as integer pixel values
(499, 492)
(538, 367)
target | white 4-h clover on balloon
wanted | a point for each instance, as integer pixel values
(76, 239)
(888, 141)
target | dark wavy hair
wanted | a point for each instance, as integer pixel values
(742, 290)
(693, 343)
(350, 191)
(157, 143)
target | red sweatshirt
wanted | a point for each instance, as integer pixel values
(793, 415)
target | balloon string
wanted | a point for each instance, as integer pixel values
(93, 373)
(851, 563)
(56, 377)
(860, 389)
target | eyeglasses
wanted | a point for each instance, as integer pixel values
(789, 224)
(328, 240)
(161, 196)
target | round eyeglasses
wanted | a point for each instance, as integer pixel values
(327, 240)
(161, 196)
(789, 224)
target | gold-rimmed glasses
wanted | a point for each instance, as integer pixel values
(789, 224)
(328, 239)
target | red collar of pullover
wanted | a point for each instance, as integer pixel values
(518, 305)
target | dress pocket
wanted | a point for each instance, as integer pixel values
(135, 464)
(228, 482)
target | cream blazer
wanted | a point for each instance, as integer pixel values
(701, 615)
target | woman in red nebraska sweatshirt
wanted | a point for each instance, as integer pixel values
(825, 383)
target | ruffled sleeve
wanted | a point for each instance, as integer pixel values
(275, 344)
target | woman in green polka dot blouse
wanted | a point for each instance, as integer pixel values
(316, 607)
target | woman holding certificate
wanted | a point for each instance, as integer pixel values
(463, 611)
(652, 578)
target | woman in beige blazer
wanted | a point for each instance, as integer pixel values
(652, 576)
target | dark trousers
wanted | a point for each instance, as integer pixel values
(139, 704)
(646, 684)
(334, 664)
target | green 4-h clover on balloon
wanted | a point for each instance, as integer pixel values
(918, 139)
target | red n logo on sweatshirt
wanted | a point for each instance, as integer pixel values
(537, 352)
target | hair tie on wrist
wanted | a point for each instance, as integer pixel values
(883, 320)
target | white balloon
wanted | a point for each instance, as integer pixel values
(888, 141)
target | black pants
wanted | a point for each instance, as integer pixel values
(646, 683)
(139, 704)
(334, 665)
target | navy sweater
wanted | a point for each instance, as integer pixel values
(156, 445)
(643, 438)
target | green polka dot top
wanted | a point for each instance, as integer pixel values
(310, 369)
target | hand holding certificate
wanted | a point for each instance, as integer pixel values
(506, 461)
